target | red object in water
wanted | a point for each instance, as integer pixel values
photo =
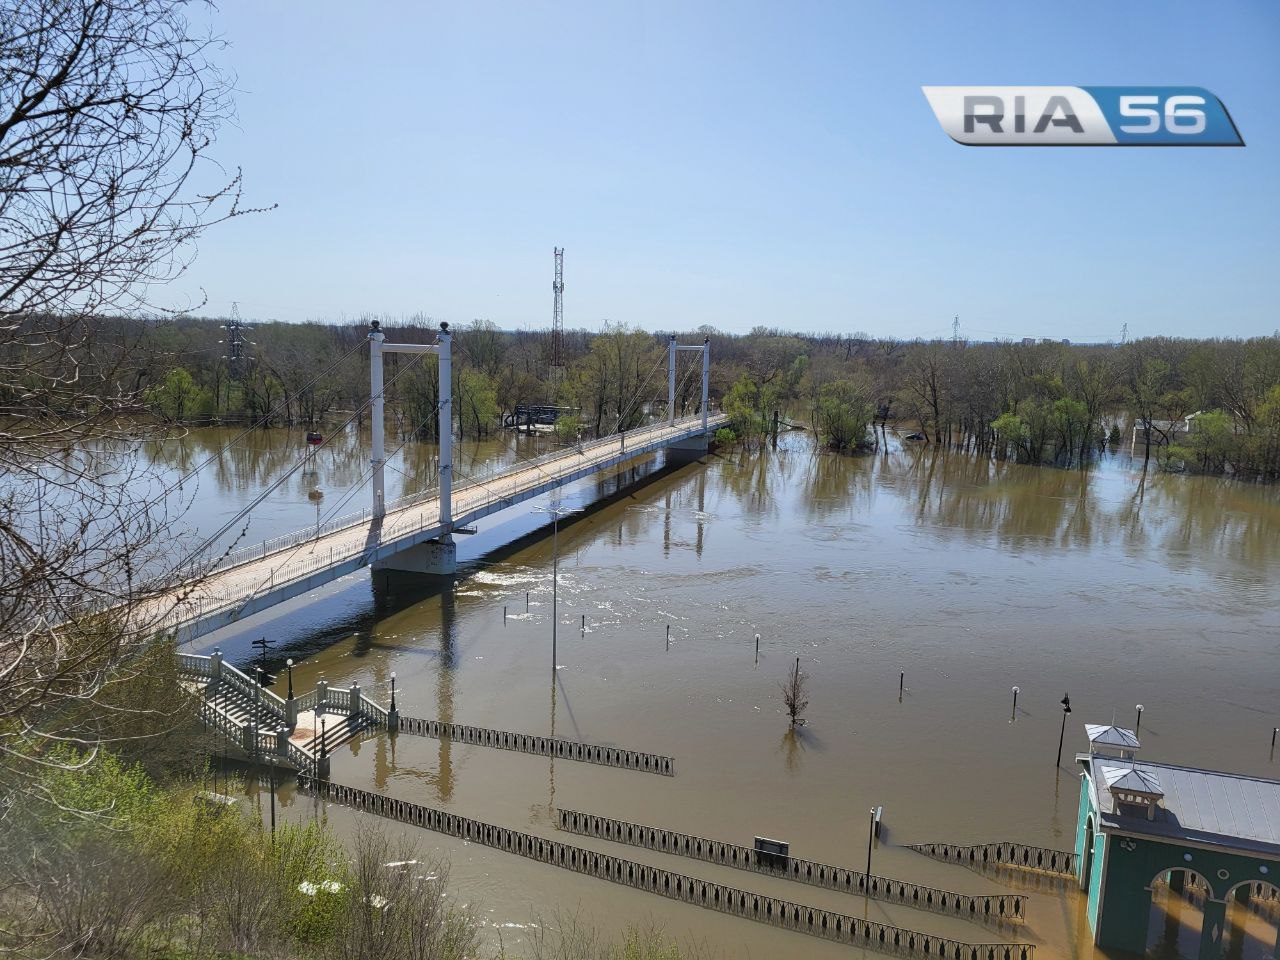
(314, 438)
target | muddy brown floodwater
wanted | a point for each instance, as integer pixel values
(970, 577)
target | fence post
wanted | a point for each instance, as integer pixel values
(215, 664)
(355, 698)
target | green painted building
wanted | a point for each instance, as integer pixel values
(1141, 823)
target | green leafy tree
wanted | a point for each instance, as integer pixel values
(844, 414)
(477, 400)
(178, 397)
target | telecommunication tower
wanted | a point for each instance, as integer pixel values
(1124, 333)
(955, 329)
(557, 318)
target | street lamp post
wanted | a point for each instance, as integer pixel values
(279, 734)
(1138, 725)
(289, 667)
(871, 836)
(1014, 715)
(393, 691)
(556, 512)
(257, 698)
(1066, 709)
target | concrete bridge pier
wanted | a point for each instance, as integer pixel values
(409, 567)
(688, 451)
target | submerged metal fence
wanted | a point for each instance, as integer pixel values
(826, 924)
(541, 746)
(997, 908)
(1019, 856)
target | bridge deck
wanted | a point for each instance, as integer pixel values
(250, 580)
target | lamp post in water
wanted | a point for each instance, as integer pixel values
(1066, 709)
(871, 837)
(556, 511)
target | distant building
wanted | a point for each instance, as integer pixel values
(1028, 341)
(1164, 431)
(1207, 841)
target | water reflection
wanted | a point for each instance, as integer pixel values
(970, 575)
(1191, 520)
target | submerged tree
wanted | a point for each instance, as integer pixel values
(795, 695)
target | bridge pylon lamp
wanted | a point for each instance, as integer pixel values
(705, 349)
(443, 348)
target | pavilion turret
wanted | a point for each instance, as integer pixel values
(1108, 740)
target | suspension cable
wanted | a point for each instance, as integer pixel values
(261, 421)
(244, 512)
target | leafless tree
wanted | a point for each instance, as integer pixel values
(795, 695)
(396, 907)
(107, 112)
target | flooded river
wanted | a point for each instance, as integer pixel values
(968, 577)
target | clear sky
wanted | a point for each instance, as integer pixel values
(740, 164)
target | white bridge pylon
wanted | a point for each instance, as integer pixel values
(378, 459)
(705, 348)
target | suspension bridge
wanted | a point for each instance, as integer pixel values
(415, 534)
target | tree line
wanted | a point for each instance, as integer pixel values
(1042, 402)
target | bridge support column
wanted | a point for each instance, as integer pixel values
(435, 558)
(377, 418)
(671, 379)
(687, 451)
(706, 382)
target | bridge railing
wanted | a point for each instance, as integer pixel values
(335, 698)
(220, 721)
(491, 486)
(375, 712)
(499, 484)
(258, 551)
(1019, 856)
(195, 665)
(241, 682)
(308, 701)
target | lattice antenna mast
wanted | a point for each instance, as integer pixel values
(557, 317)
(955, 329)
(1124, 333)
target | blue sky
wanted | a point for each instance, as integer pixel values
(739, 164)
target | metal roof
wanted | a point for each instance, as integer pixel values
(1203, 806)
(1130, 778)
(1109, 735)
